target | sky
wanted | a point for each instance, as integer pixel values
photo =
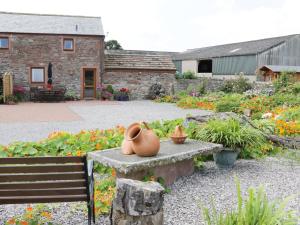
(176, 25)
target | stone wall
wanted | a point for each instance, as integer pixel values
(210, 84)
(33, 50)
(139, 81)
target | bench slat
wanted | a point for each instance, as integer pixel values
(42, 168)
(43, 192)
(42, 160)
(41, 177)
(41, 185)
(42, 199)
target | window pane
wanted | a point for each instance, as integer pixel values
(3, 42)
(68, 44)
(37, 75)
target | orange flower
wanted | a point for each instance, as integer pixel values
(78, 153)
(113, 172)
(69, 154)
(29, 208)
(98, 146)
(23, 222)
(29, 216)
(11, 221)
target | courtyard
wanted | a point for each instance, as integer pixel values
(35, 121)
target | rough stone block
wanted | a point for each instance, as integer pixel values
(137, 198)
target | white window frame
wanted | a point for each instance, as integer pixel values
(33, 78)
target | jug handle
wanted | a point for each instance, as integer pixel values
(145, 124)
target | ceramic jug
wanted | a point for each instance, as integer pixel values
(144, 141)
(126, 147)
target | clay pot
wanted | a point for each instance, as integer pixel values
(178, 137)
(178, 132)
(144, 142)
(126, 147)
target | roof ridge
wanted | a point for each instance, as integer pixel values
(241, 42)
(39, 14)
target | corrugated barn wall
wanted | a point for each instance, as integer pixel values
(231, 65)
(178, 65)
(287, 54)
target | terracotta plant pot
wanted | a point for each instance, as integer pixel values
(178, 137)
(144, 142)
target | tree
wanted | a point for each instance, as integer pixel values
(113, 45)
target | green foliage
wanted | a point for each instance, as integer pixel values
(167, 99)
(284, 80)
(230, 133)
(104, 193)
(229, 103)
(113, 45)
(189, 75)
(110, 89)
(255, 210)
(178, 75)
(166, 127)
(238, 85)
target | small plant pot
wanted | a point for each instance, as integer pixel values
(225, 159)
(178, 140)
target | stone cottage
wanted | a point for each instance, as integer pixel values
(73, 45)
(138, 71)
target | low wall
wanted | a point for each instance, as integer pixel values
(213, 84)
(210, 84)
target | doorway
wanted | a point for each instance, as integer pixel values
(89, 83)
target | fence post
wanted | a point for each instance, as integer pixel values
(137, 202)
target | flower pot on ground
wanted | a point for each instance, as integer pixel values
(226, 158)
(122, 94)
(234, 136)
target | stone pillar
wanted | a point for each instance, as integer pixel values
(137, 203)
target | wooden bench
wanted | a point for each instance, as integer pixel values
(47, 180)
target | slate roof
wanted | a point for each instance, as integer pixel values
(234, 49)
(141, 60)
(278, 68)
(50, 24)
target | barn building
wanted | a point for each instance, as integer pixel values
(225, 61)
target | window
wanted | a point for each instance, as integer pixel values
(68, 44)
(4, 42)
(37, 75)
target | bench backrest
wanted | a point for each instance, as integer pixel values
(43, 179)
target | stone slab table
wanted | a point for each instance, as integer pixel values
(171, 162)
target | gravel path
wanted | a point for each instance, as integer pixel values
(93, 115)
(280, 179)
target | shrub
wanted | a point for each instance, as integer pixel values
(256, 209)
(110, 89)
(230, 133)
(229, 103)
(189, 75)
(238, 85)
(178, 75)
(19, 92)
(284, 80)
(156, 90)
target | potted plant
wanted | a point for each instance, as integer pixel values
(122, 94)
(233, 135)
(104, 92)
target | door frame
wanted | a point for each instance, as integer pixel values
(83, 80)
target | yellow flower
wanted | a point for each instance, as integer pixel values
(46, 215)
